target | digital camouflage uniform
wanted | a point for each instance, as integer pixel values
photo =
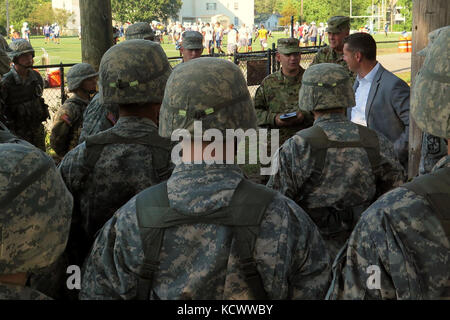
(200, 260)
(279, 94)
(4, 59)
(98, 117)
(109, 168)
(69, 118)
(35, 213)
(433, 149)
(336, 24)
(406, 233)
(23, 105)
(347, 179)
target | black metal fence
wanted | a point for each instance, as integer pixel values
(254, 65)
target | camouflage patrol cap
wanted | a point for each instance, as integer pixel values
(133, 71)
(337, 24)
(430, 103)
(192, 40)
(78, 73)
(19, 47)
(140, 30)
(326, 86)
(210, 90)
(288, 45)
(35, 209)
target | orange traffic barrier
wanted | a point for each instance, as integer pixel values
(54, 77)
(403, 45)
(409, 40)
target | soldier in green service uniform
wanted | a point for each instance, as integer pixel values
(82, 81)
(338, 29)
(278, 93)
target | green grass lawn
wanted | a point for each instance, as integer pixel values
(69, 50)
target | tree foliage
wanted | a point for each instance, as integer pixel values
(144, 10)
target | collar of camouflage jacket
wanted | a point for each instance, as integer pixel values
(295, 79)
(196, 188)
(331, 117)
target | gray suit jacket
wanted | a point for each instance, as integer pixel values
(387, 110)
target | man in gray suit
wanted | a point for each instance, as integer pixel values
(382, 99)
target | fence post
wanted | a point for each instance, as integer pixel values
(236, 58)
(269, 61)
(61, 74)
(274, 61)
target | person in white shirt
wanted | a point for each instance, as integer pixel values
(232, 40)
(244, 35)
(208, 35)
(382, 98)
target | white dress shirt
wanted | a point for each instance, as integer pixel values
(361, 95)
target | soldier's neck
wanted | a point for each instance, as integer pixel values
(19, 279)
(21, 71)
(290, 73)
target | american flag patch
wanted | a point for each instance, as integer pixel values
(66, 119)
(111, 118)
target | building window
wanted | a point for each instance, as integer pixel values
(211, 6)
(236, 5)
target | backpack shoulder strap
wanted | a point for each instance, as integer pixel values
(371, 144)
(435, 188)
(244, 215)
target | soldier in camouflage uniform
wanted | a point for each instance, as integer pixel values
(406, 233)
(140, 30)
(191, 45)
(82, 81)
(102, 116)
(4, 59)
(336, 168)
(433, 148)
(278, 93)
(338, 29)
(21, 96)
(210, 208)
(35, 213)
(109, 168)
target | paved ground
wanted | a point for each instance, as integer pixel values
(398, 62)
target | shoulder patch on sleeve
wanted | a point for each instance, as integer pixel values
(111, 118)
(66, 119)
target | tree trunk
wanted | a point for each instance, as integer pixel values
(428, 15)
(96, 30)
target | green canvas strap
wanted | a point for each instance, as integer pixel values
(96, 143)
(333, 222)
(244, 215)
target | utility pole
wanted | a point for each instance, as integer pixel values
(428, 15)
(96, 30)
(7, 18)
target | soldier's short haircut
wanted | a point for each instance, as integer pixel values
(363, 43)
